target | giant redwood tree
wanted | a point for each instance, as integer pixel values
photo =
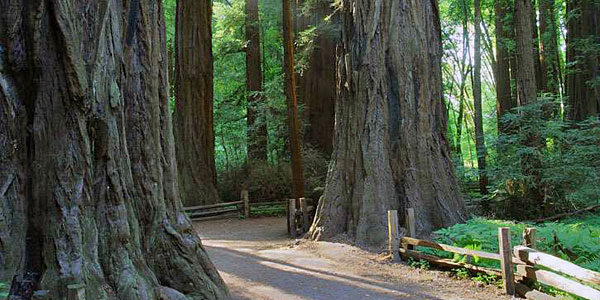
(390, 149)
(257, 126)
(193, 118)
(317, 82)
(88, 189)
(583, 59)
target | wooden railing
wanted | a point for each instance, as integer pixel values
(300, 214)
(228, 209)
(530, 265)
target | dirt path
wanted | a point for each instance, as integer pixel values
(258, 261)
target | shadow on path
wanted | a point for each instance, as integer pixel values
(264, 278)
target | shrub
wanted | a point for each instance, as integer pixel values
(272, 182)
(560, 168)
(575, 240)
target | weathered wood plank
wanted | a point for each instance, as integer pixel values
(410, 222)
(559, 282)
(506, 260)
(529, 237)
(304, 211)
(200, 207)
(211, 212)
(274, 203)
(246, 200)
(537, 258)
(393, 235)
(528, 293)
(453, 249)
(292, 217)
(444, 262)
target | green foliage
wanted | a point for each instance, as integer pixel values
(575, 240)
(272, 181)
(4, 289)
(566, 167)
(419, 264)
(461, 273)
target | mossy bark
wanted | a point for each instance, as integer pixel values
(88, 172)
(390, 149)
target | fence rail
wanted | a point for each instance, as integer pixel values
(530, 265)
(228, 209)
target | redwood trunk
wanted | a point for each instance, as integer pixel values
(503, 91)
(583, 31)
(292, 102)
(86, 157)
(479, 137)
(194, 132)
(390, 149)
(549, 47)
(526, 72)
(317, 82)
(257, 126)
(537, 63)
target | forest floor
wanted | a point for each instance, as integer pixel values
(258, 261)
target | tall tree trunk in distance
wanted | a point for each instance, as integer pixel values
(465, 69)
(390, 148)
(549, 47)
(317, 82)
(539, 74)
(583, 31)
(526, 72)
(257, 125)
(87, 170)
(292, 102)
(194, 132)
(527, 94)
(479, 137)
(504, 100)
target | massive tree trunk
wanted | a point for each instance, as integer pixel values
(479, 137)
(292, 102)
(317, 82)
(88, 190)
(504, 99)
(256, 122)
(390, 149)
(549, 47)
(583, 59)
(526, 72)
(194, 132)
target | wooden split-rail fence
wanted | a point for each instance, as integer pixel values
(229, 209)
(300, 214)
(519, 265)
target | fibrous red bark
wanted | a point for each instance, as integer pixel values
(257, 126)
(317, 82)
(583, 38)
(390, 149)
(88, 190)
(193, 118)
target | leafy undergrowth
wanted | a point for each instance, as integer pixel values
(576, 240)
(269, 211)
(3, 290)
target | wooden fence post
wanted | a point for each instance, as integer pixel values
(304, 211)
(292, 217)
(246, 200)
(393, 236)
(506, 260)
(410, 222)
(76, 292)
(529, 237)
